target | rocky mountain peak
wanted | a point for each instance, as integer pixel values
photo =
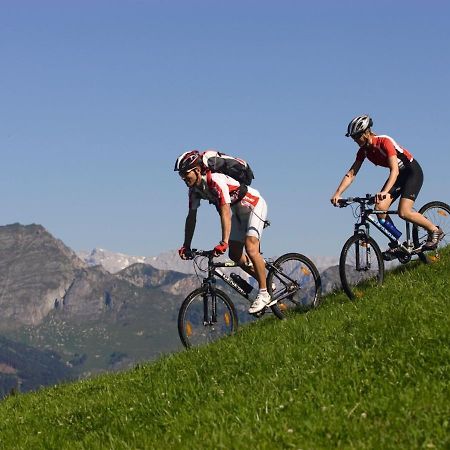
(35, 271)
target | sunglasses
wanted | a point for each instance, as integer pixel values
(183, 175)
(357, 135)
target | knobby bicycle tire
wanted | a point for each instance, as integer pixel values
(199, 324)
(296, 282)
(361, 265)
(438, 213)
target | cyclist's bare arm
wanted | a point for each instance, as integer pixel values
(191, 221)
(225, 221)
(393, 174)
(346, 181)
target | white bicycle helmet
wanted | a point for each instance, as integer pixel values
(187, 161)
(358, 125)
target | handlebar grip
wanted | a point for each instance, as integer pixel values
(343, 202)
(193, 252)
(368, 199)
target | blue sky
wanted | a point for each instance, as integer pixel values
(97, 99)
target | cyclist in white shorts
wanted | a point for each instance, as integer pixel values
(242, 212)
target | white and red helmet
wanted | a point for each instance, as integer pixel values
(358, 125)
(187, 161)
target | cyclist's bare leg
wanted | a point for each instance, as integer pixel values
(406, 212)
(258, 269)
(252, 247)
(384, 205)
(236, 253)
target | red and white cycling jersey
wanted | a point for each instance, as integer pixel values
(381, 148)
(220, 189)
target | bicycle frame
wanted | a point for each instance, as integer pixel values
(214, 271)
(367, 216)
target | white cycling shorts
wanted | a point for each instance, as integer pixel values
(248, 220)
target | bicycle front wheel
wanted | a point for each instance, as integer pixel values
(295, 282)
(205, 316)
(361, 265)
(439, 214)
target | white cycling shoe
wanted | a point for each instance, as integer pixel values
(263, 300)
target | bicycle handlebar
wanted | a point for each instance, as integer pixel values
(368, 200)
(191, 254)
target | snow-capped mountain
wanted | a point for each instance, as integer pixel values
(115, 262)
(110, 261)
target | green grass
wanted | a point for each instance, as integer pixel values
(367, 374)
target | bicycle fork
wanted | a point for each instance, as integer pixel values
(360, 243)
(209, 294)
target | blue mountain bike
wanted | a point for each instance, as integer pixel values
(361, 262)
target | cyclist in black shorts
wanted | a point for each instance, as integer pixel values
(404, 181)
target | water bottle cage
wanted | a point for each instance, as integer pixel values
(246, 287)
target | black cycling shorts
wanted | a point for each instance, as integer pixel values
(409, 182)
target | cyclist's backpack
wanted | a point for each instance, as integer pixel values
(233, 167)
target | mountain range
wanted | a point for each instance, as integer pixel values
(91, 311)
(114, 262)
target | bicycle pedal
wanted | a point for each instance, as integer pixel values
(259, 313)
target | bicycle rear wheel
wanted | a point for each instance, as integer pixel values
(439, 214)
(360, 265)
(295, 282)
(205, 316)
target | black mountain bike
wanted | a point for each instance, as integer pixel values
(208, 313)
(361, 262)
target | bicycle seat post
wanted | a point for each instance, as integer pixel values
(409, 244)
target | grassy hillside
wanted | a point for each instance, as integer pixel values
(369, 374)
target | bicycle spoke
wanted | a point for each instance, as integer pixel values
(206, 317)
(360, 266)
(295, 283)
(441, 218)
(439, 214)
